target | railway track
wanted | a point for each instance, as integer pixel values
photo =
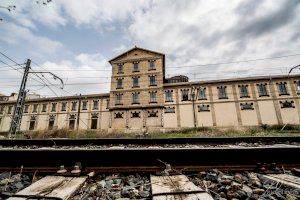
(192, 158)
(112, 155)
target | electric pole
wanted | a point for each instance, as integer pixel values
(18, 111)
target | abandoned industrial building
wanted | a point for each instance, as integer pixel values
(142, 98)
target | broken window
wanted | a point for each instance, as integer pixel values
(107, 103)
(135, 98)
(135, 81)
(94, 122)
(222, 92)
(120, 69)
(119, 98)
(44, 107)
(84, 105)
(282, 88)
(151, 64)
(95, 104)
(135, 67)
(185, 94)
(9, 109)
(35, 106)
(247, 106)
(119, 83)
(51, 122)
(32, 122)
(74, 105)
(203, 108)
(1, 110)
(135, 114)
(152, 80)
(287, 104)
(152, 113)
(72, 120)
(53, 109)
(202, 93)
(297, 84)
(244, 91)
(26, 108)
(170, 110)
(63, 106)
(153, 96)
(262, 89)
(119, 115)
(169, 95)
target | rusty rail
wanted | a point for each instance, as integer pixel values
(144, 159)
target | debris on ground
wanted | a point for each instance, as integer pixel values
(243, 185)
(116, 186)
(12, 183)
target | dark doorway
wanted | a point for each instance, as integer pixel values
(31, 125)
(51, 125)
(72, 124)
(94, 123)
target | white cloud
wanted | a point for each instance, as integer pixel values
(87, 64)
(199, 32)
(94, 13)
(15, 35)
(189, 32)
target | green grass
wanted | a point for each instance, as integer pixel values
(264, 130)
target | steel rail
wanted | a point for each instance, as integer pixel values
(143, 158)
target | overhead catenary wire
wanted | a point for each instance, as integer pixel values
(235, 62)
(140, 81)
(56, 93)
(16, 69)
(196, 65)
(9, 66)
(12, 60)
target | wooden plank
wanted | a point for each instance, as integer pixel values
(285, 179)
(68, 188)
(176, 187)
(40, 187)
(53, 186)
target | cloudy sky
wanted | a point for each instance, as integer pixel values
(74, 39)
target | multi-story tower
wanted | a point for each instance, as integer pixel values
(136, 96)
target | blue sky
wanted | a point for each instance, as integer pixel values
(83, 35)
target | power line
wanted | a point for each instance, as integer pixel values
(11, 66)
(78, 118)
(6, 56)
(182, 66)
(240, 61)
(8, 66)
(50, 82)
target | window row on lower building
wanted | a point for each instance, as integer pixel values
(200, 93)
(248, 106)
(136, 98)
(71, 122)
(136, 114)
(53, 107)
